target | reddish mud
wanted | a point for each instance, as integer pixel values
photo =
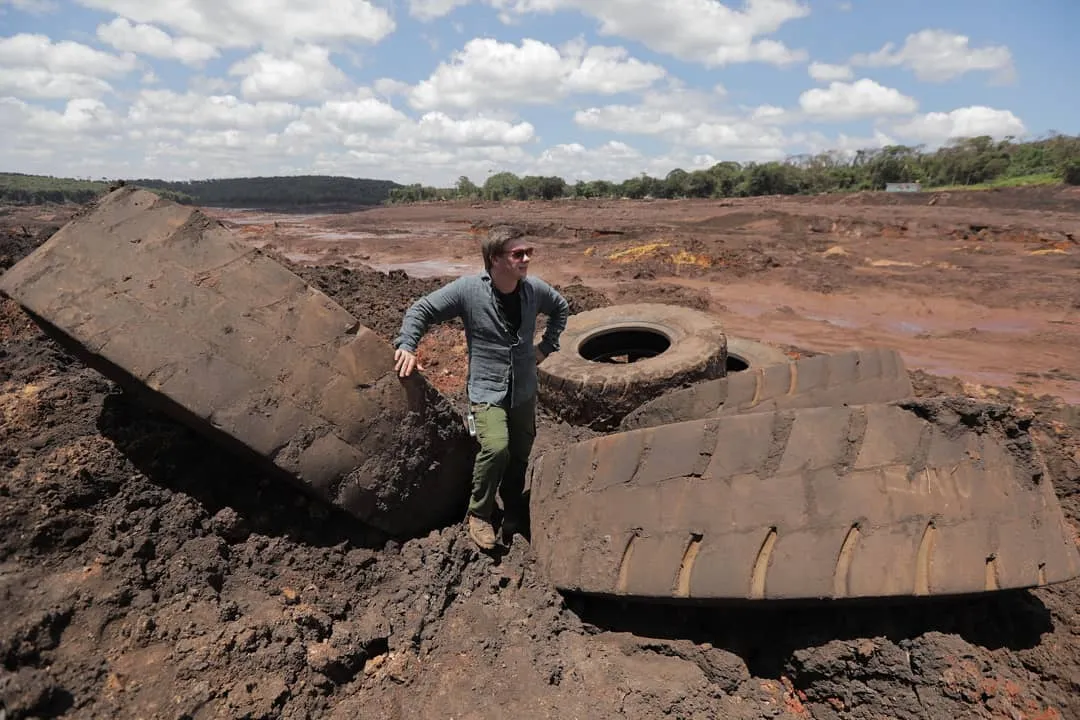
(144, 573)
(989, 294)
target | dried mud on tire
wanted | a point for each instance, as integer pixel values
(923, 498)
(582, 385)
(849, 378)
(172, 306)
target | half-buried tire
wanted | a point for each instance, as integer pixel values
(856, 377)
(937, 497)
(617, 357)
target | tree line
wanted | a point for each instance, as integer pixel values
(255, 192)
(965, 162)
(296, 191)
(22, 189)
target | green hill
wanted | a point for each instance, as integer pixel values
(280, 192)
(256, 192)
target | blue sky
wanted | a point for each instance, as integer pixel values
(427, 90)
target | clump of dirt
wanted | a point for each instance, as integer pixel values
(20, 242)
(144, 572)
(648, 290)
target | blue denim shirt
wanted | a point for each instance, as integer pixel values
(502, 364)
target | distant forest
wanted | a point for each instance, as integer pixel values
(978, 162)
(258, 192)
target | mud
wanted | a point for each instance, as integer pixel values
(143, 573)
(981, 286)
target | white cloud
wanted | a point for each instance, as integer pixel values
(862, 98)
(156, 108)
(824, 72)
(33, 66)
(769, 113)
(438, 127)
(738, 135)
(305, 73)
(610, 70)
(245, 23)
(149, 40)
(938, 127)
(390, 86)
(487, 71)
(659, 112)
(688, 119)
(38, 83)
(939, 55)
(704, 31)
(355, 115)
(632, 119)
(80, 119)
(573, 161)
(40, 52)
(203, 85)
(432, 9)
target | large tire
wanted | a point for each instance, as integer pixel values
(856, 377)
(744, 354)
(920, 498)
(166, 302)
(617, 357)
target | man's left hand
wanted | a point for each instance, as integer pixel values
(540, 355)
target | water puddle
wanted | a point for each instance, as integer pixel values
(837, 321)
(908, 328)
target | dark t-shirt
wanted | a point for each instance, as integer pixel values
(510, 304)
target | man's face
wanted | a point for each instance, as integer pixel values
(515, 256)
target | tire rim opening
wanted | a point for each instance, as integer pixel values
(736, 364)
(624, 346)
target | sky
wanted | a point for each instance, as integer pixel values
(430, 90)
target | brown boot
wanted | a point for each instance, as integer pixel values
(481, 532)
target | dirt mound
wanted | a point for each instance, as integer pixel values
(1058, 198)
(143, 573)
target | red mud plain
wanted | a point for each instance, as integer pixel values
(144, 573)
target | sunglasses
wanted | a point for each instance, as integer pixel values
(520, 253)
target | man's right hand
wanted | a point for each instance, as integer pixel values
(405, 362)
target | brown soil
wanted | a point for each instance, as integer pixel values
(145, 573)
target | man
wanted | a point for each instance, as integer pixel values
(498, 308)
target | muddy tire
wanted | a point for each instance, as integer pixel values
(921, 498)
(169, 304)
(615, 358)
(745, 354)
(856, 377)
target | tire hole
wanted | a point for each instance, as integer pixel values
(736, 364)
(625, 345)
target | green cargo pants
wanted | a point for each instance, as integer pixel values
(506, 439)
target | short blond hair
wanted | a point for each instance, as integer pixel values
(496, 239)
